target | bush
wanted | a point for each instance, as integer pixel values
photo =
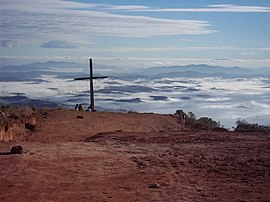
(206, 123)
(190, 117)
(244, 126)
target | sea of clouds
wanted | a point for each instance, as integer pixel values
(224, 100)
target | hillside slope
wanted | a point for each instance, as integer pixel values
(83, 156)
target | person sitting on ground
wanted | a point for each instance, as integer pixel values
(88, 109)
(81, 108)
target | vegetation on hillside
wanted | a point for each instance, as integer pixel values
(244, 126)
(206, 123)
(203, 123)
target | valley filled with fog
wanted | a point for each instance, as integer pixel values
(222, 93)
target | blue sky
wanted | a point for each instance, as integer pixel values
(132, 33)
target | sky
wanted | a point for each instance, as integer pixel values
(136, 33)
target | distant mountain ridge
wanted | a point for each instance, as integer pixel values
(20, 100)
(204, 71)
(60, 69)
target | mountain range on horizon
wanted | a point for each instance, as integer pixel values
(27, 72)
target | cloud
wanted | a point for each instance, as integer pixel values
(187, 40)
(236, 8)
(245, 51)
(9, 43)
(126, 8)
(56, 20)
(58, 44)
(209, 9)
(257, 104)
(228, 106)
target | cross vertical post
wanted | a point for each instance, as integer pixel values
(91, 97)
(91, 86)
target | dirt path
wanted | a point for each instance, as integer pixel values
(114, 157)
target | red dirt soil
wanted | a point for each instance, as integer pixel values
(116, 156)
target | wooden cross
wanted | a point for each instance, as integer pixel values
(92, 105)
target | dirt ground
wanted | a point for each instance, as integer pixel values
(116, 157)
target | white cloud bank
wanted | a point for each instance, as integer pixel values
(221, 8)
(43, 21)
(58, 44)
(240, 98)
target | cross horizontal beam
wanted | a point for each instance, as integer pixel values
(94, 77)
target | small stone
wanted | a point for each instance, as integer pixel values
(199, 189)
(16, 150)
(30, 126)
(154, 185)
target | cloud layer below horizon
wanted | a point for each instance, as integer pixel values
(224, 100)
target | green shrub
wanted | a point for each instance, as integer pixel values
(132, 111)
(206, 123)
(191, 118)
(244, 126)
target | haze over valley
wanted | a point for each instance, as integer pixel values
(222, 93)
